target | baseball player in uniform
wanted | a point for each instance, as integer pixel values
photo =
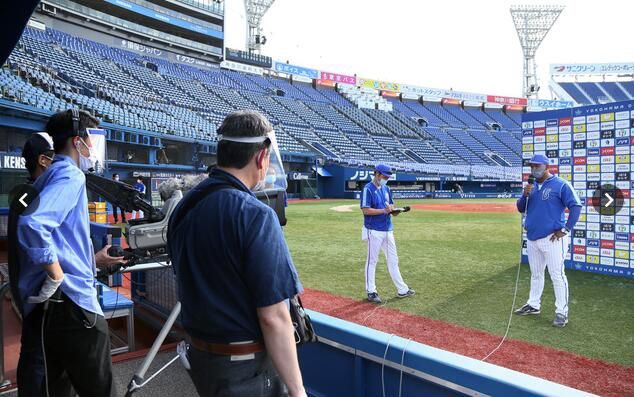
(377, 206)
(548, 235)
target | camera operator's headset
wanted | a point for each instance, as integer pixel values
(74, 114)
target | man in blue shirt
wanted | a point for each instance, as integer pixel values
(548, 235)
(377, 206)
(57, 265)
(235, 273)
(141, 188)
(38, 155)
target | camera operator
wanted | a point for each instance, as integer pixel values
(57, 266)
(235, 273)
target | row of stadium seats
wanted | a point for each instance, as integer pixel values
(51, 69)
(589, 93)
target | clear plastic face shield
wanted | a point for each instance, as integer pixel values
(98, 148)
(275, 177)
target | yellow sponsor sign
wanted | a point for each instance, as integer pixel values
(567, 177)
(594, 168)
(579, 128)
(552, 138)
(582, 217)
(380, 85)
(592, 259)
(632, 202)
(527, 147)
(622, 254)
(607, 117)
(623, 159)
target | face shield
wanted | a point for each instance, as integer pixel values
(98, 148)
(275, 177)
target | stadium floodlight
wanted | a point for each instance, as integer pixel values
(532, 24)
(255, 11)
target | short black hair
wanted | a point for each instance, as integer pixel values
(243, 123)
(115, 174)
(60, 127)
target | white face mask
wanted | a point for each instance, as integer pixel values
(383, 182)
(86, 164)
(262, 182)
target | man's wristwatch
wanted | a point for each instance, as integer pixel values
(564, 230)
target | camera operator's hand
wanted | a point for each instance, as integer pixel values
(102, 259)
(49, 287)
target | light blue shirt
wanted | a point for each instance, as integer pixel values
(377, 198)
(57, 230)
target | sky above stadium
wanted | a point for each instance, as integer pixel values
(467, 45)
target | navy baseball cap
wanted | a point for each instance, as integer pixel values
(383, 170)
(539, 159)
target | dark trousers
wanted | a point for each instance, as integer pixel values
(31, 362)
(116, 217)
(218, 376)
(77, 351)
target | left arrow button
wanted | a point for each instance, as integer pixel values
(21, 200)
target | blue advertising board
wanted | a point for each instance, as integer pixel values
(296, 70)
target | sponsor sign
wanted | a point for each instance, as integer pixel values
(338, 78)
(591, 68)
(296, 70)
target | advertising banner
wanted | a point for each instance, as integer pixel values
(549, 104)
(338, 78)
(12, 161)
(296, 70)
(157, 53)
(505, 100)
(442, 93)
(326, 83)
(591, 68)
(379, 85)
(240, 67)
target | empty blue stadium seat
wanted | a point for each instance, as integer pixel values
(53, 70)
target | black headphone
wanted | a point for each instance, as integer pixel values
(74, 114)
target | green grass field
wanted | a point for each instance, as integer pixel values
(463, 268)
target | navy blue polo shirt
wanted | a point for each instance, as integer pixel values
(230, 257)
(377, 198)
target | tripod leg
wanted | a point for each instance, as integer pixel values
(137, 379)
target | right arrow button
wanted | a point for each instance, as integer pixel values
(607, 199)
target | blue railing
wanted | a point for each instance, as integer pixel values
(353, 360)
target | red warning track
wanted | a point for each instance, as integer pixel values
(582, 373)
(467, 207)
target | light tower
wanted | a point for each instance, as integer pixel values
(255, 10)
(532, 24)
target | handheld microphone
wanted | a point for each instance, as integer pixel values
(531, 180)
